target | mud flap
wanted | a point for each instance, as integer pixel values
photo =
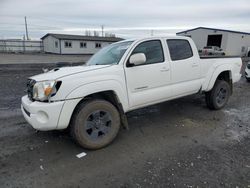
(124, 120)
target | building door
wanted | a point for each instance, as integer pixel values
(214, 40)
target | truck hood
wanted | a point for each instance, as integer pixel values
(58, 73)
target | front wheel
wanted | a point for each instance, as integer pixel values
(218, 97)
(95, 124)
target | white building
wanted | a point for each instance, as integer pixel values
(234, 43)
(75, 44)
(18, 45)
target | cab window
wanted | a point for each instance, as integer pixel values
(179, 49)
(152, 50)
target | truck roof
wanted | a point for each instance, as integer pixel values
(156, 37)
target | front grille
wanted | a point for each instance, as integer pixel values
(30, 85)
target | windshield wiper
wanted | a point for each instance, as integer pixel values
(105, 64)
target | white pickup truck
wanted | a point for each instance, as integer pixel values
(211, 50)
(92, 100)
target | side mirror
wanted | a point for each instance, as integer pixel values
(137, 59)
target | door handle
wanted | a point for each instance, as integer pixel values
(195, 65)
(164, 69)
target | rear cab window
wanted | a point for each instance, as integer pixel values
(179, 49)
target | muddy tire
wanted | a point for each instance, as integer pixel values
(95, 124)
(218, 97)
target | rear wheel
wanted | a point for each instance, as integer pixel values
(95, 124)
(218, 97)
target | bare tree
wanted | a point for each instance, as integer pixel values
(96, 33)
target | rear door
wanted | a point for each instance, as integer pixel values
(185, 67)
(149, 82)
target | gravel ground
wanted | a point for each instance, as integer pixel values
(6, 58)
(178, 143)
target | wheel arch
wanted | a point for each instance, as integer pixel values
(100, 90)
(105, 88)
(221, 73)
(110, 96)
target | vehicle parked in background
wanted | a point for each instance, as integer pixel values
(247, 72)
(211, 50)
(93, 100)
(248, 52)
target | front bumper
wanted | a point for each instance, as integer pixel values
(40, 115)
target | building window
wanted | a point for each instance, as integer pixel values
(98, 45)
(83, 45)
(56, 44)
(243, 49)
(67, 44)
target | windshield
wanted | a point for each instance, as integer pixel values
(111, 54)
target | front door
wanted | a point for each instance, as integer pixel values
(149, 82)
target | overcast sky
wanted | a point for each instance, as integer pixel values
(125, 18)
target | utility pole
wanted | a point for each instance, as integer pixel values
(23, 43)
(152, 32)
(102, 30)
(26, 28)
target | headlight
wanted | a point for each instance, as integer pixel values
(42, 91)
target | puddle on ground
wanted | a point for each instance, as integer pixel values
(187, 122)
(237, 124)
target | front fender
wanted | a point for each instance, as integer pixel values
(96, 87)
(76, 95)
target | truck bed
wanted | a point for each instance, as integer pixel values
(213, 57)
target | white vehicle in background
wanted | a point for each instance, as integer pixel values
(248, 52)
(212, 50)
(247, 72)
(93, 100)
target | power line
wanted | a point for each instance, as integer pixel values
(60, 26)
(5, 23)
(30, 25)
